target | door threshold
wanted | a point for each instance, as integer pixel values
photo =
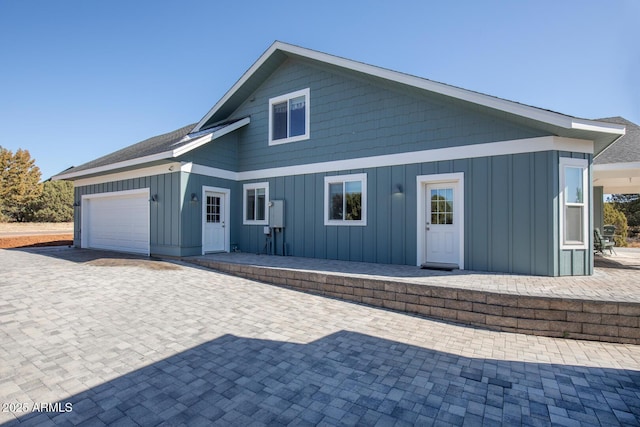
(444, 266)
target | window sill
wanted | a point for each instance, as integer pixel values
(288, 140)
(346, 223)
(570, 246)
(252, 222)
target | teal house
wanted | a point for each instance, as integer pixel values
(313, 155)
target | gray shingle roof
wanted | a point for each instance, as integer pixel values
(155, 145)
(626, 149)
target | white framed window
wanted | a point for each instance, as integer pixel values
(574, 195)
(345, 199)
(255, 203)
(289, 117)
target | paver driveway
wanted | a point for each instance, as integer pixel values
(123, 341)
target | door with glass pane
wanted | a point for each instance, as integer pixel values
(213, 222)
(442, 228)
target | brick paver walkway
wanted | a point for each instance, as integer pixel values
(123, 341)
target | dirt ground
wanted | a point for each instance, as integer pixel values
(23, 235)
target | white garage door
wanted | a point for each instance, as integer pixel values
(116, 221)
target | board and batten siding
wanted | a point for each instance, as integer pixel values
(192, 183)
(352, 117)
(165, 218)
(509, 215)
(512, 208)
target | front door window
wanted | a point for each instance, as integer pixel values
(442, 206)
(213, 209)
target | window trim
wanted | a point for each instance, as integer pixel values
(335, 179)
(565, 163)
(278, 99)
(253, 186)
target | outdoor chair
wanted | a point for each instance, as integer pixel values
(600, 244)
(609, 232)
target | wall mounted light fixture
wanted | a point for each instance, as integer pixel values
(397, 189)
(154, 198)
(194, 197)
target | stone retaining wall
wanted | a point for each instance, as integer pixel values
(554, 317)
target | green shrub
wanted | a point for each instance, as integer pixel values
(615, 217)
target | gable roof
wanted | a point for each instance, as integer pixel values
(156, 149)
(626, 149)
(602, 133)
(164, 148)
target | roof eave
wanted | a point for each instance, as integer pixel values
(200, 141)
(597, 126)
(113, 166)
(526, 111)
(165, 155)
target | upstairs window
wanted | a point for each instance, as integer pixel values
(256, 197)
(345, 200)
(289, 117)
(574, 190)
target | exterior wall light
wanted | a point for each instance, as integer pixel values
(397, 189)
(154, 198)
(194, 197)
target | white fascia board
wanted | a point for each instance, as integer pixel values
(527, 111)
(199, 142)
(596, 126)
(112, 166)
(132, 174)
(511, 107)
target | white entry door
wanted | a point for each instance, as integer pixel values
(214, 235)
(442, 228)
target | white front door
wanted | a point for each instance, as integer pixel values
(442, 224)
(214, 236)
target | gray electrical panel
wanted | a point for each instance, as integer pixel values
(276, 214)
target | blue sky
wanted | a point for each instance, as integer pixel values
(82, 78)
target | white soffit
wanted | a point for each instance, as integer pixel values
(618, 178)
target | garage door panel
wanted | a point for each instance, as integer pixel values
(118, 222)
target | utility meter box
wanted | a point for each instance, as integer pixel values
(276, 214)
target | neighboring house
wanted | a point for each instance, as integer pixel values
(365, 164)
(616, 170)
